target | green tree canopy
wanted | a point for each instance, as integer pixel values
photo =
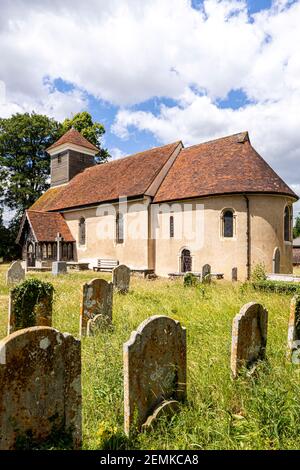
(296, 230)
(24, 163)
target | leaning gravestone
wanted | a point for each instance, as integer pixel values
(121, 278)
(294, 331)
(206, 271)
(30, 304)
(249, 337)
(15, 273)
(40, 382)
(96, 306)
(154, 371)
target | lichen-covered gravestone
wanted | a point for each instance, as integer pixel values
(154, 371)
(249, 337)
(30, 304)
(206, 271)
(15, 273)
(121, 278)
(96, 306)
(40, 382)
(294, 331)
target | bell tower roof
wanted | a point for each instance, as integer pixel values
(73, 139)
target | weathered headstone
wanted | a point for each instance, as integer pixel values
(40, 313)
(294, 331)
(154, 370)
(206, 271)
(15, 273)
(96, 306)
(40, 382)
(121, 278)
(249, 337)
(234, 275)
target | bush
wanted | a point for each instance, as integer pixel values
(190, 280)
(26, 296)
(259, 273)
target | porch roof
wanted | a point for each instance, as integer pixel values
(46, 225)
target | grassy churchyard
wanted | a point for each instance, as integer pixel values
(261, 412)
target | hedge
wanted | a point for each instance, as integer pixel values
(281, 287)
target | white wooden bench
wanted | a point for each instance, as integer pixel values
(106, 265)
(217, 275)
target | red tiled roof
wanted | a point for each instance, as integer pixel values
(46, 200)
(73, 137)
(222, 166)
(46, 225)
(129, 176)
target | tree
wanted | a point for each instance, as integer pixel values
(24, 163)
(92, 131)
(296, 229)
(8, 249)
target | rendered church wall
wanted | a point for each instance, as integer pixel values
(101, 234)
(266, 220)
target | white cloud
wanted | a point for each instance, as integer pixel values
(116, 153)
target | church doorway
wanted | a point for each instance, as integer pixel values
(186, 261)
(276, 261)
(30, 255)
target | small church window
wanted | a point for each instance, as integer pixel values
(228, 224)
(287, 224)
(171, 226)
(119, 228)
(82, 231)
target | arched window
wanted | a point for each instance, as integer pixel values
(119, 228)
(55, 251)
(82, 231)
(227, 224)
(287, 224)
(186, 261)
(49, 251)
(276, 261)
(44, 251)
(65, 251)
(171, 226)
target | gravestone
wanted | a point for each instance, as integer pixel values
(206, 271)
(40, 382)
(293, 351)
(59, 267)
(249, 337)
(234, 275)
(121, 278)
(96, 306)
(15, 273)
(40, 315)
(154, 371)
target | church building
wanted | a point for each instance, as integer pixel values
(167, 210)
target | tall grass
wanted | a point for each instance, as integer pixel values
(262, 412)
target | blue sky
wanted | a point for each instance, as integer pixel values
(158, 71)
